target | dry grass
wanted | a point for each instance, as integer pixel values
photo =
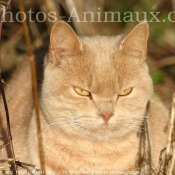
(167, 162)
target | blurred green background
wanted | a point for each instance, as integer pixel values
(41, 15)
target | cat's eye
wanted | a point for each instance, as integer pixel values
(82, 92)
(125, 92)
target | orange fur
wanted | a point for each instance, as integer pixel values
(75, 136)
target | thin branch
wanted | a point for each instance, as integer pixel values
(173, 3)
(172, 132)
(167, 61)
(170, 151)
(171, 127)
(3, 9)
(31, 59)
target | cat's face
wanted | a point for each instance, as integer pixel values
(99, 88)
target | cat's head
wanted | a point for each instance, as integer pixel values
(97, 87)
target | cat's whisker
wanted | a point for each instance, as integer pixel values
(160, 123)
(157, 103)
(132, 119)
(135, 128)
(123, 135)
(53, 123)
(62, 123)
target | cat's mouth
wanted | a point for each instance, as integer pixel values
(103, 129)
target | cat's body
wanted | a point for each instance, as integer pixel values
(100, 126)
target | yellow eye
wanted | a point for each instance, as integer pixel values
(82, 92)
(125, 92)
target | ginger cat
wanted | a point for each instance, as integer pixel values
(95, 105)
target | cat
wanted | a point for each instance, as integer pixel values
(96, 105)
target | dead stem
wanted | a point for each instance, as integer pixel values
(11, 151)
(31, 59)
(170, 150)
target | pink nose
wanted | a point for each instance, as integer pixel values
(106, 116)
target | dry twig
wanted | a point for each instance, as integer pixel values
(168, 61)
(31, 59)
(3, 8)
(169, 161)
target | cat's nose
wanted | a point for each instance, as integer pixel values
(106, 116)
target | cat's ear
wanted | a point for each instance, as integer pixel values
(63, 42)
(135, 43)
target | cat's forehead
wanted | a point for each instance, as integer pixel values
(100, 50)
(103, 54)
(105, 66)
(103, 43)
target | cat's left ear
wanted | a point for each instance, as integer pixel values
(135, 43)
(63, 42)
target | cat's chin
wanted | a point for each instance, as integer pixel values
(101, 134)
(104, 129)
(106, 133)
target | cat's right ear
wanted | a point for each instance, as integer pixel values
(135, 43)
(63, 42)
